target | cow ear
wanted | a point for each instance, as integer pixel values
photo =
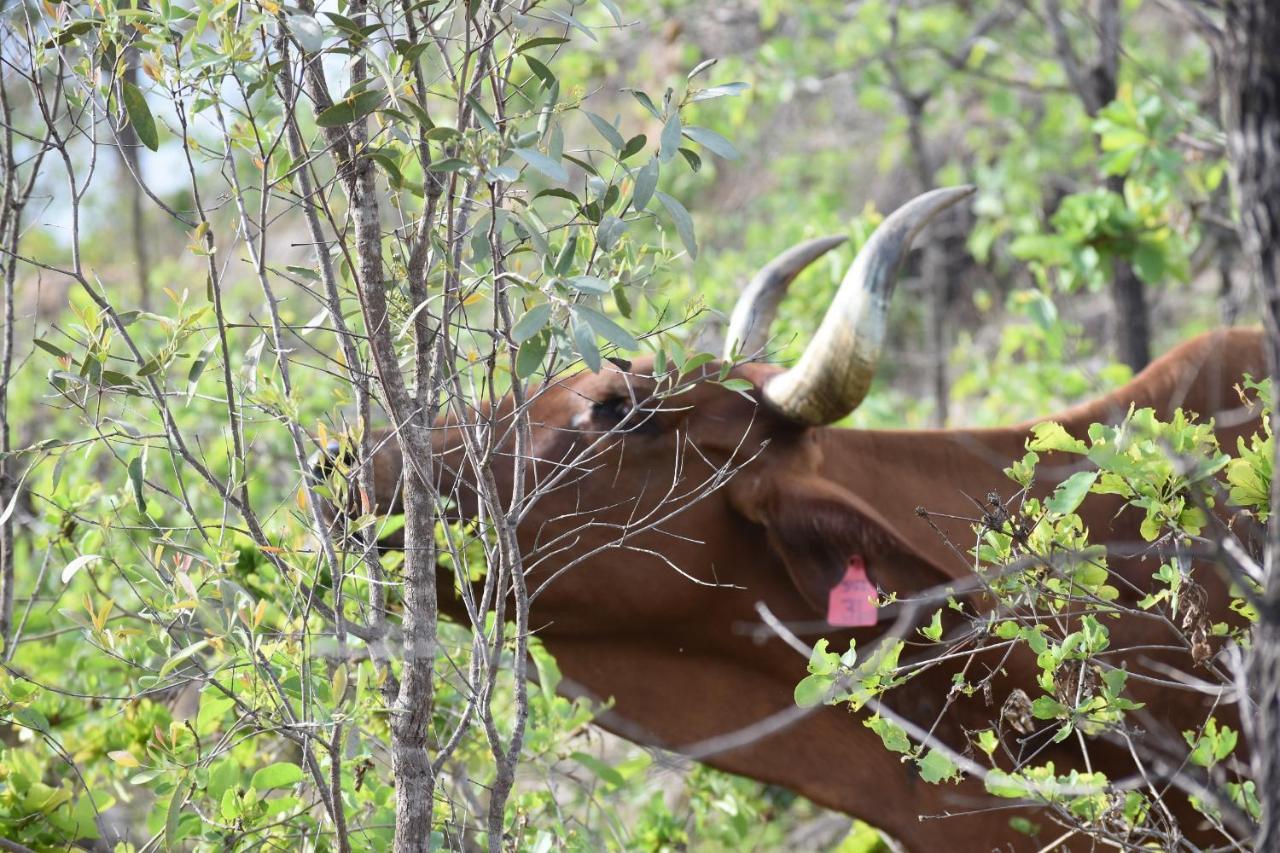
(817, 527)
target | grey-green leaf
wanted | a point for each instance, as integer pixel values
(669, 142)
(683, 222)
(543, 163)
(608, 131)
(307, 32)
(588, 284)
(718, 91)
(646, 183)
(531, 323)
(609, 231)
(607, 329)
(585, 340)
(712, 141)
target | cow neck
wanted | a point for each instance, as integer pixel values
(896, 471)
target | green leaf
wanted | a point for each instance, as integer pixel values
(222, 777)
(482, 115)
(448, 164)
(181, 656)
(633, 147)
(1052, 436)
(540, 41)
(533, 322)
(442, 134)
(933, 630)
(548, 671)
(230, 805)
(1149, 263)
(349, 109)
(1047, 708)
(198, 366)
(822, 661)
(683, 222)
(606, 773)
(891, 734)
(1071, 492)
(645, 101)
(691, 157)
(144, 124)
(76, 565)
(542, 163)
(936, 767)
(172, 817)
(811, 691)
(50, 348)
(700, 67)
(544, 73)
(282, 774)
(136, 477)
(530, 355)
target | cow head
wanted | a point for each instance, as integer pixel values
(667, 496)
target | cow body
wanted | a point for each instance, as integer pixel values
(663, 619)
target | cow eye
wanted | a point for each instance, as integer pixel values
(611, 410)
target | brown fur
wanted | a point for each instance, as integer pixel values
(682, 659)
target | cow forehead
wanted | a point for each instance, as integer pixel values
(637, 376)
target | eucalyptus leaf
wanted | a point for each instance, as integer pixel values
(530, 355)
(712, 141)
(606, 328)
(542, 163)
(144, 124)
(588, 284)
(646, 183)
(349, 109)
(683, 222)
(533, 321)
(669, 141)
(584, 340)
(307, 31)
(607, 130)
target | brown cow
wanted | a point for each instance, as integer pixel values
(666, 623)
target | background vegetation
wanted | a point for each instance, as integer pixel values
(174, 674)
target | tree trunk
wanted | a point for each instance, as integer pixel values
(1096, 85)
(130, 154)
(1250, 74)
(1132, 331)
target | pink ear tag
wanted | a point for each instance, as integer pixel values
(852, 602)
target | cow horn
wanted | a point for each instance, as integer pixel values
(839, 363)
(757, 307)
